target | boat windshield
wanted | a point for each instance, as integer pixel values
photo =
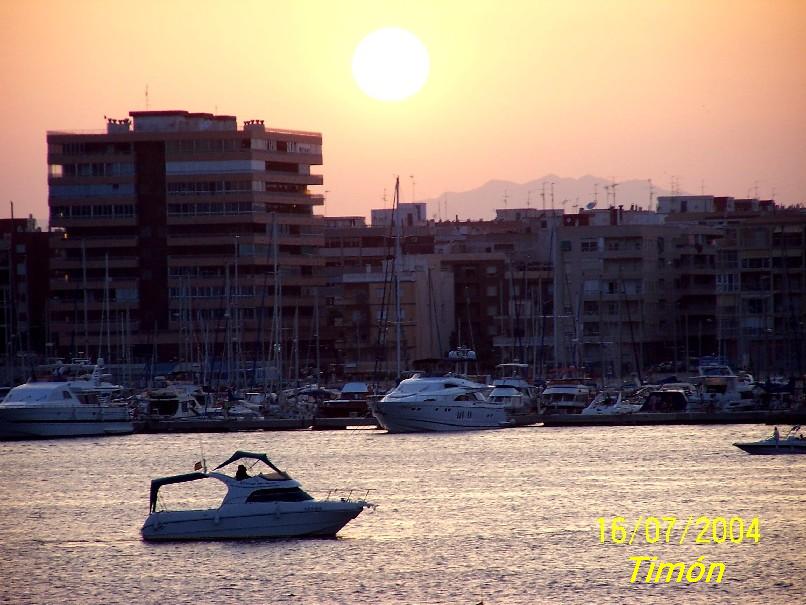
(282, 494)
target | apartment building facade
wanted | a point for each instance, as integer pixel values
(181, 235)
(24, 293)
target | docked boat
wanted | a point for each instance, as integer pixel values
(722, 390)
(793, 443)
(439, 403)
(64, 408)
(606, 404)
(511, 389)
(351, 402)
(263, 505)
(567, 396)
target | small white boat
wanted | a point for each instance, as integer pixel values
(793, 443)
(264, 505)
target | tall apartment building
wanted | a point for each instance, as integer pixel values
(23, 292)
(621, 287)
(179, 235)
(761, 292)
(758, 286)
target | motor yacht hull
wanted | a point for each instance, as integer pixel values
(771, 448)
(44, 422)
(270, 520)
(422, 417)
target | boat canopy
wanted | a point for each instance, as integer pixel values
(156, 484)
(241, 454)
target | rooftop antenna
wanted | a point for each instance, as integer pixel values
(529, 198)
(146, 97)
(596, 192)
(702, 186)
(543, 195)
(613, 188)
(413, 198)
(552, 194)
(506, 197)
(755, 189)
(651, 194)
(324, 202)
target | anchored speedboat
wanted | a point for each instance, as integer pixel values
(263, 505)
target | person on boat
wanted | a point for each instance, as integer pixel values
(241, 473)
(775, 435)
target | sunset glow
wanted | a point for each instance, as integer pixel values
(390, 64)
(708, 93)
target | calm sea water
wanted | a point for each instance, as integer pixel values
(495, 517)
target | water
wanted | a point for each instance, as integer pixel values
(500, 517)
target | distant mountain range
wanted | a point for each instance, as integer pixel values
(569, 193)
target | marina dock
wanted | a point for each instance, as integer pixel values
(231, 425)
(782, 417)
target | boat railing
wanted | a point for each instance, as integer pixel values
(352, 494)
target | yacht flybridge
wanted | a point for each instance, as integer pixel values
(262, 505)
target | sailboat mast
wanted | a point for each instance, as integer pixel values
(398, 253)
(316, 328)
(84, 296)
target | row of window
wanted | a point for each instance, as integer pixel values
(90, 148)
(98, 169)
(93, 190)
(203, 209)
(211, 187)
(221, 314)
(224, 145)
(210, 291)
(86, 211)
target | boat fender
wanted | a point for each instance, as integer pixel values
(277, 510)
(217, 518)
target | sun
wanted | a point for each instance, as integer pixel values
(391, 64)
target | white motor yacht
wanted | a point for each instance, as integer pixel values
(512, 390)
(793, 443)
(721, 390)
(438, 403)
(264, 505)
(64, 408)
(566, 396)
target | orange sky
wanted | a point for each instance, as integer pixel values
(711, 91)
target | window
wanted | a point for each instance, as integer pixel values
(284, 494)
(589, 245)
(565, 246)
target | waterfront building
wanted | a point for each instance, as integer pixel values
(622, 281)
(759, 285)
(182, 236)
(23, 292)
